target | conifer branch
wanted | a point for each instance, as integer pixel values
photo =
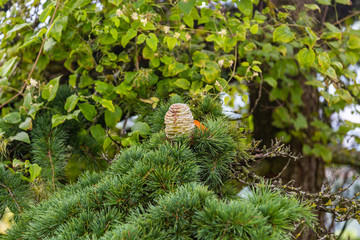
(12, 195)
(52, 169)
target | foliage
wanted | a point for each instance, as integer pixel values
(72, 70)
(163, 189)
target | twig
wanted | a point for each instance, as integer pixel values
(287, 164)
(36, 61)
(123, 131)
(12, 195)
(256, 101)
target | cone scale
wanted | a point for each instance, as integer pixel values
(179, 121)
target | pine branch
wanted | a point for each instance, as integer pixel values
(12, 195)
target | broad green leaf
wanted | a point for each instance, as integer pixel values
(49, 44)
(105, 103)
(34, 171)
(346, 2)
(171, 42)
(58, 27)
(57, 119)
(176, 68)
(188, 20)
(115, 2)
(199, 59)
(186, 5)
(354, 42)
(50, 90)
(271, 81)
(71, 102)
(88, 111)
(114, 33)
(98, 132)
(312, 7)
(17, 27)
(324, 2)
(254, 28)
(12, 118)
(324, 60)
(256, 69)
(182, 83)
(130, 34)
(306, 57)
(26, 125)
(47, 11)
(283, 34)
(7, 66)
(141, 127)
(245, 6)
(211, 72)
(148, 53)
(300, 122)
(21, 136)
(315, 83)
(152, 41)
(345, 95)
(141, 38)
(112, 118)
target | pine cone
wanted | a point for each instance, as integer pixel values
(179, 121)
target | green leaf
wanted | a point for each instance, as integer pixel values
(312, 7)
(199, 59)
(211, 72)
(152, 41)
(50, 90)
(346, 2)
(186, 5)
(306, 57)
(26, 125)
(256, 69)
(21, 136)
(324, 2)
(57, 119)
(34, 171)
(141, 127)
(115, 2)
(112, 118)
(12, 118)
(345, 95)
(245, 6)
(300, 122)
(315, 83)
(188, 20)
(354, 42)
(141, 38)
(324, 60)
(105, 103)
(58, 27)
(47, 11)
(7, 66)
(271, 81)
(283, 34)
(49, 44)
(17, 27)
(114, 33)
(98, 132)
(182, 83)
(88, 111)
(71, 102)
(176, 68)
(171, 42)
(254, 28)
(148, 53)
(130, 34)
